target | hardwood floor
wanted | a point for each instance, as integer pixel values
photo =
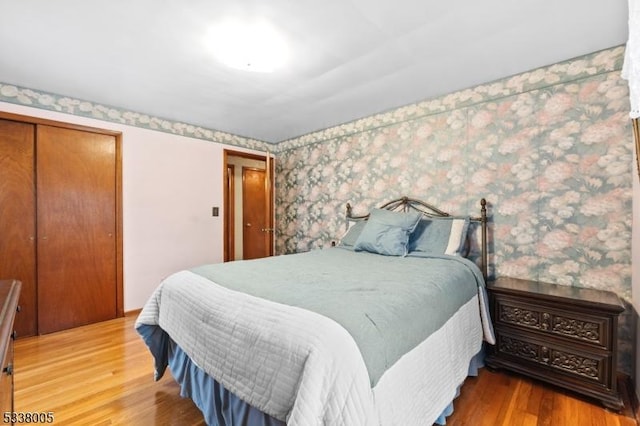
(102, 374)
(501, 398)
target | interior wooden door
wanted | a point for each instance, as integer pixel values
(256, 237)
(259, 198)
(17, 217)
(76, 197)
(229, 215)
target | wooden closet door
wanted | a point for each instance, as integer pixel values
(18, 216)
(76, 196)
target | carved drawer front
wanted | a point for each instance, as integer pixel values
(584, 365)
(586, 329)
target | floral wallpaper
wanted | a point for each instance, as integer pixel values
(49, 101)
(551, 150)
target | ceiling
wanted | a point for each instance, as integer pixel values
(348, 58)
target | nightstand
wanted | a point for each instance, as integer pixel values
(566, 336)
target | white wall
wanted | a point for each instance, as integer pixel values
(169, 185)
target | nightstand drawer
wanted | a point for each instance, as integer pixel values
(564, 335)
(589, 329)
(570, 361)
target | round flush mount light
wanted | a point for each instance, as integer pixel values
(249, 46)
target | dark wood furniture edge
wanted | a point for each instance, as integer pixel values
(562, 293)
(10, 293)
(8, 311)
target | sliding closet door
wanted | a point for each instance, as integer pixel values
(76, 216)
(17, 217)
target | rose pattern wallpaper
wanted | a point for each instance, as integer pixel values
(551, 150)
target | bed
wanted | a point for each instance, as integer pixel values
(381, 329)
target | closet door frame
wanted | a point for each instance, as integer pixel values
(119, 239)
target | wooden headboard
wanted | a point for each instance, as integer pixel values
(406, 204)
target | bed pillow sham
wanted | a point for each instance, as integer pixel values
(440, 236)
(350, 237)
(387, 232)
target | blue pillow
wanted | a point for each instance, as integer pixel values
(350, 237)
(387, 232)
(440, 236)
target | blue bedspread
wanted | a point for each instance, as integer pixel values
(388, 304)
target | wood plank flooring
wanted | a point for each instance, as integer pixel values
(102, 374)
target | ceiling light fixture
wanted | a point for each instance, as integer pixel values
(249, 46)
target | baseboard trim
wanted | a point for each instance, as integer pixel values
(133, 312)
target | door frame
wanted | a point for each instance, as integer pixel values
(118, 187)
(228, 229)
